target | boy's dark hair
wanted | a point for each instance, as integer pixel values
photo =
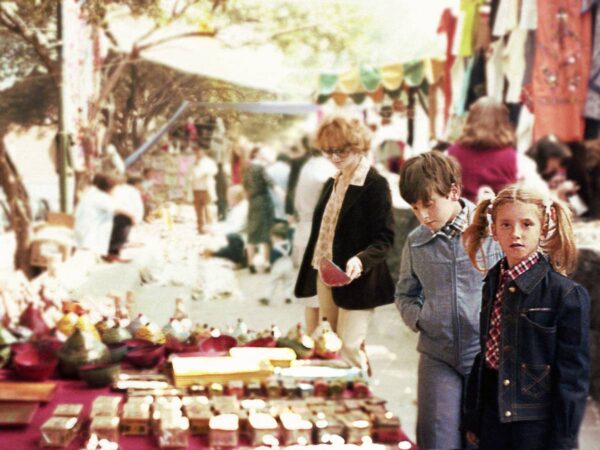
(427, 173)
(104, 182)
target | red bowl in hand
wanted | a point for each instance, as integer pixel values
(35, 365)
(217, 346)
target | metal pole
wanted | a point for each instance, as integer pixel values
(62, 136)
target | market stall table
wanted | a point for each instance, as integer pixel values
(28, 437)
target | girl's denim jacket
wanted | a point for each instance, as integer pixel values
(544, 352)
(439, 294)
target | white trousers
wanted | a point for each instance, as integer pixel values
(349, 324)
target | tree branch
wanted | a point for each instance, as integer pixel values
(16, 25)
(143, 47)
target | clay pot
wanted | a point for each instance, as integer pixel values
(80, 349)
(115, 335)
(99, 375)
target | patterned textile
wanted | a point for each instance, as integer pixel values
(492, 345)
(324, 246)
(458, 225)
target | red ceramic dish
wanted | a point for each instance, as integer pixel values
(35, 365)
(261, 342)
(217, 345)
(22, 347)
(146, 357)
(331, 274)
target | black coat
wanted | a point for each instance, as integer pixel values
(365, 228)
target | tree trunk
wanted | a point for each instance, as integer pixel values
(19, 206)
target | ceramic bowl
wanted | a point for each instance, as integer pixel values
(99, 375)
(117, 352)
(174, 346)
(146, 357)
(134, 344)
(22, 347)
(35, 365)
(217, 345)
(261, 342)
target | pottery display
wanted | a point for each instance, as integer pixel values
(327, 343)
(81, 348)
(35, 365)
(150, 332)
(99, 375)
(146, 357)
(67, 323)
(138, 322)
(217, 345)
(105, 324)
(176, 330)
(117, 351)
(85, 324)
(6, 337)
(115, 335)
(200, 332)
(33, 319)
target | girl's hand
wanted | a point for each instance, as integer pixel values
(472, 438)
(354, 267)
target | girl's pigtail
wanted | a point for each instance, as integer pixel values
(475, 234)
(559, 244)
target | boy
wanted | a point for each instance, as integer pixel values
(281, 280)
(439, 294)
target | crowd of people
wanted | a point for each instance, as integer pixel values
(503, 367)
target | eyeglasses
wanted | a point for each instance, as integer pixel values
(339, 152)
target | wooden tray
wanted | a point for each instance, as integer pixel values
(26, 392)
(16, 413)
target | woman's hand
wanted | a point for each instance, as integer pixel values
(354, 267)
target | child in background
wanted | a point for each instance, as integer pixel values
(439, 294)
(529, 383)
(280, 283)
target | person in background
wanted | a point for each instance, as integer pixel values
(94, 216)
(315, 172)
(129, 212)
(353, 227)
(572, 172)
(281, 278)
(232, 228)
(298, 157)
(279, 172)
(438, 294)
(261, 216)
(203, 187)
(529, 384)
(486, 148)
(147, 186)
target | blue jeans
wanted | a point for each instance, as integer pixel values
(439, 396)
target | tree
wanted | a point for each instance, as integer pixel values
(30, 56)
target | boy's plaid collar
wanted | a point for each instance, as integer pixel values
(458, 225)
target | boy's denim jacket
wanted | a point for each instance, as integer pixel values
(544, 352)
(439, 294)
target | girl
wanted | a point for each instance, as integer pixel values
(528, 386)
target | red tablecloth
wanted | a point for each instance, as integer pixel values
(26, 438)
